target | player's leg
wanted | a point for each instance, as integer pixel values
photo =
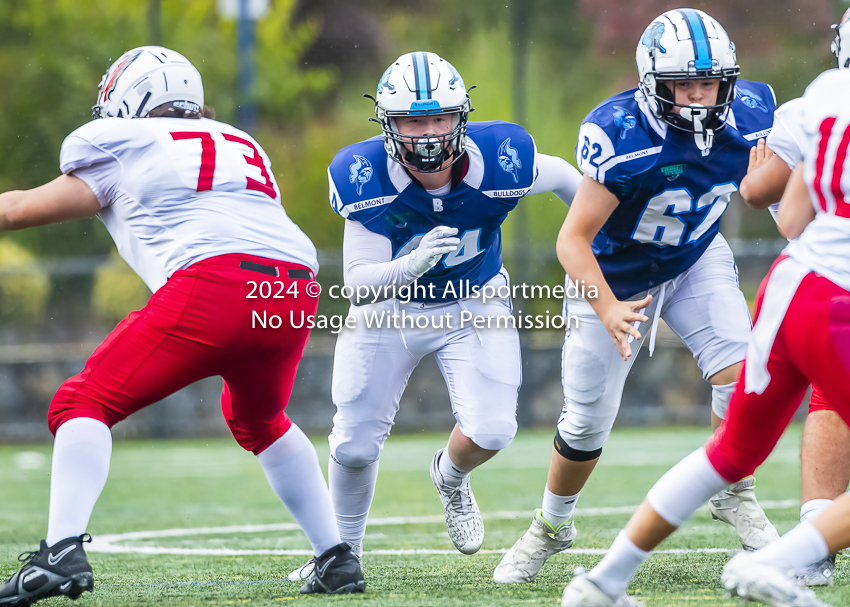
(256, 392)
(824, 472)
(593, 376)
(483, 372)
(753, 426)
(816, 342)
(773, 574)
(707, 310)
(371, 370)
(254, 398)
(143, 360)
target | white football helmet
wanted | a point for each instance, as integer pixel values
(145, 78)
(419, 84)
(687, 44)
(842, 52)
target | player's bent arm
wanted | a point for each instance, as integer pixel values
(370, 269)
(591, 208)
(796, 210)
(368, 263)
(66, 197)
(764, 185)
(556, 175)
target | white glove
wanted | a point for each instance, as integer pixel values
(432, 247)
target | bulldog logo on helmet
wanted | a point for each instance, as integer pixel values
(652, 36)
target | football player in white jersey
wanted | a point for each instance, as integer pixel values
(193, 208)
(825, 452)
(801, 337)
(423, 204)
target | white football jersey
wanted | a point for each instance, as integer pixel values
(786, 139)
(175, 191)
(824, 246)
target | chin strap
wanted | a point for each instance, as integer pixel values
(698, 113)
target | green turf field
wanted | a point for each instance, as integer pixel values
(188, 485)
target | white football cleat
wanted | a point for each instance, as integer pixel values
(581, 592)
(820, 573)
(754, 581)
(463, 517)
(306, 570)
(524, 560)
(737, 506)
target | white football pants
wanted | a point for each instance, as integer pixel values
(703, 305)
(481, 366)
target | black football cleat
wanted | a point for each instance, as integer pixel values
(337, 571)
(61, 570)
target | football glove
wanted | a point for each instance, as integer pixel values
(432, 247)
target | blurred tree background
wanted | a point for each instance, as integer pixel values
(314, 61)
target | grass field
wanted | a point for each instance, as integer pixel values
(190, 485)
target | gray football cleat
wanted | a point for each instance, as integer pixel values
(524, 560)
(737, 506)
(820, 573)
(463, 517)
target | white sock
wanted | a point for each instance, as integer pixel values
(798, 548)
(352, 490)
(686, 486)
(81, 454)
(292, 469)
(813, 508)
(453, 475)
(558, 510)
(613, 572)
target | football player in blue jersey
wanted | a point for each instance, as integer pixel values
(423, 205)
(660, 164)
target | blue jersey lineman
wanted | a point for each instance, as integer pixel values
(424, 204)
(660, 165)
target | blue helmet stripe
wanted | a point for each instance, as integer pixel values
(420, 70)
(699, 37)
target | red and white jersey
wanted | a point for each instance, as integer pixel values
(787, 138)
(175, 191)
(824, 246)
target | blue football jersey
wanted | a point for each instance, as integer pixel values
(671, 195)
(369, 187)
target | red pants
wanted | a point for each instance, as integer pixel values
(818, 401)
(811, 346)
(199, 324)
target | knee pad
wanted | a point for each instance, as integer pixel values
(720, 397)
(356, 455)
(574, 455)
(493, 435)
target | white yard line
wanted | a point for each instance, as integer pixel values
(113, 543)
